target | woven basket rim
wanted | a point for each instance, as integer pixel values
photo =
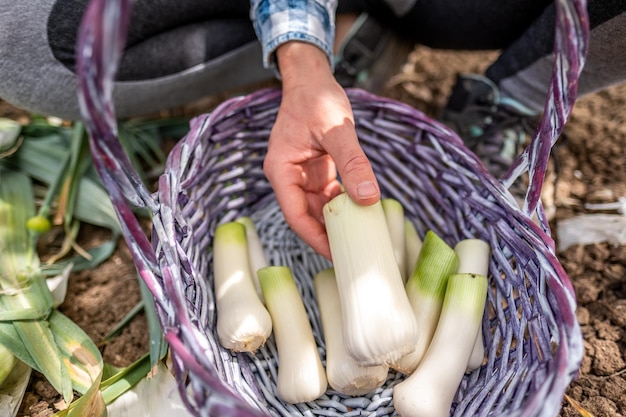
(170, 273)
(569, 352)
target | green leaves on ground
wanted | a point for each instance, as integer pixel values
(48, 185)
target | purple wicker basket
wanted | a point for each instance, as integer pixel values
(214, 174)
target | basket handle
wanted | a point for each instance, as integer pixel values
(570, 49)
(100, 43)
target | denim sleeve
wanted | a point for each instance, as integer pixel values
(280, 21)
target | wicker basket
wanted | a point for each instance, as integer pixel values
(214, 174)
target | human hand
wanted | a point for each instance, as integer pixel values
(313, 138)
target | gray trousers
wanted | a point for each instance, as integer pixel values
(179, 51)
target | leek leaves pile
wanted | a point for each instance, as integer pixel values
(48, 185)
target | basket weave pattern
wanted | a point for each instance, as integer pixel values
(214, 174)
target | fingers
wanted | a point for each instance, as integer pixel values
(355, 169)
(297, 209)
(313, 138)
(302, 170)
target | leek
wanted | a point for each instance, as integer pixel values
(412, 247)
(301, 375)
(344, 374)
(474, 257)
(394, 215)
(426, 288)
(256, 253)
(430, 389)
(379, 326)
(243, 322)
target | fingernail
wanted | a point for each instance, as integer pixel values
(366, 189)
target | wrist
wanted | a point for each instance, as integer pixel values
(299, 61)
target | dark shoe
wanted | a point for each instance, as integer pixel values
(370, 55)
(496, 129)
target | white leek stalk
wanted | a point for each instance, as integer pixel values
(379, 326)
(474, 257)
(301, 375)
(430, 390)
(256, 253)
(394, 215)
(412, 245)
(344, 374)
(243, 322)
(426, 288)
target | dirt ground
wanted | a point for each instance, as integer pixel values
(593, 169)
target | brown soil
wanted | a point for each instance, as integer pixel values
(593, 168)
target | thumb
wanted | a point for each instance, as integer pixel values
(355, 169)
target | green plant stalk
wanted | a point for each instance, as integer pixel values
(17, 296)
(53, 189)
(125, 379)
(39, 158)
(97, 255)
(80, 161)
(117, 329)
(158, 345)
(66, 336)
(11, 340)
(69, 240)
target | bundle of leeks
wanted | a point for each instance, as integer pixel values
(390, 301)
